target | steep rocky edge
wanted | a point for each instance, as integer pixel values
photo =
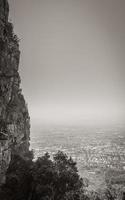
(14, 116)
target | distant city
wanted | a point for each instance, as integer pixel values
(96, 150)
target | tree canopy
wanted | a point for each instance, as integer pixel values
(46, 178)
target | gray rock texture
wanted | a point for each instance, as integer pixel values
(14, 116)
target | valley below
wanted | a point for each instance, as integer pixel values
(99, 152)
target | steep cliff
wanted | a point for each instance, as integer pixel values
(14, 116)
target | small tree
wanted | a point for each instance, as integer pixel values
(68, 179)
(55, 179)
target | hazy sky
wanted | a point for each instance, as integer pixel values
(72, 58)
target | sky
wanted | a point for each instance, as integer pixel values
(72, 62)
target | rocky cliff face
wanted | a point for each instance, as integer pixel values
(14, 117)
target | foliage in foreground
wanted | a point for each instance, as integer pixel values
(44, 179)
(49, 179)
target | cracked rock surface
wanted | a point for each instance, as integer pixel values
(14, 116)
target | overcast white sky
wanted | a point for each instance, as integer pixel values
(72, 58)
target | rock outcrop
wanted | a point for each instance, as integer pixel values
(14, 116)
